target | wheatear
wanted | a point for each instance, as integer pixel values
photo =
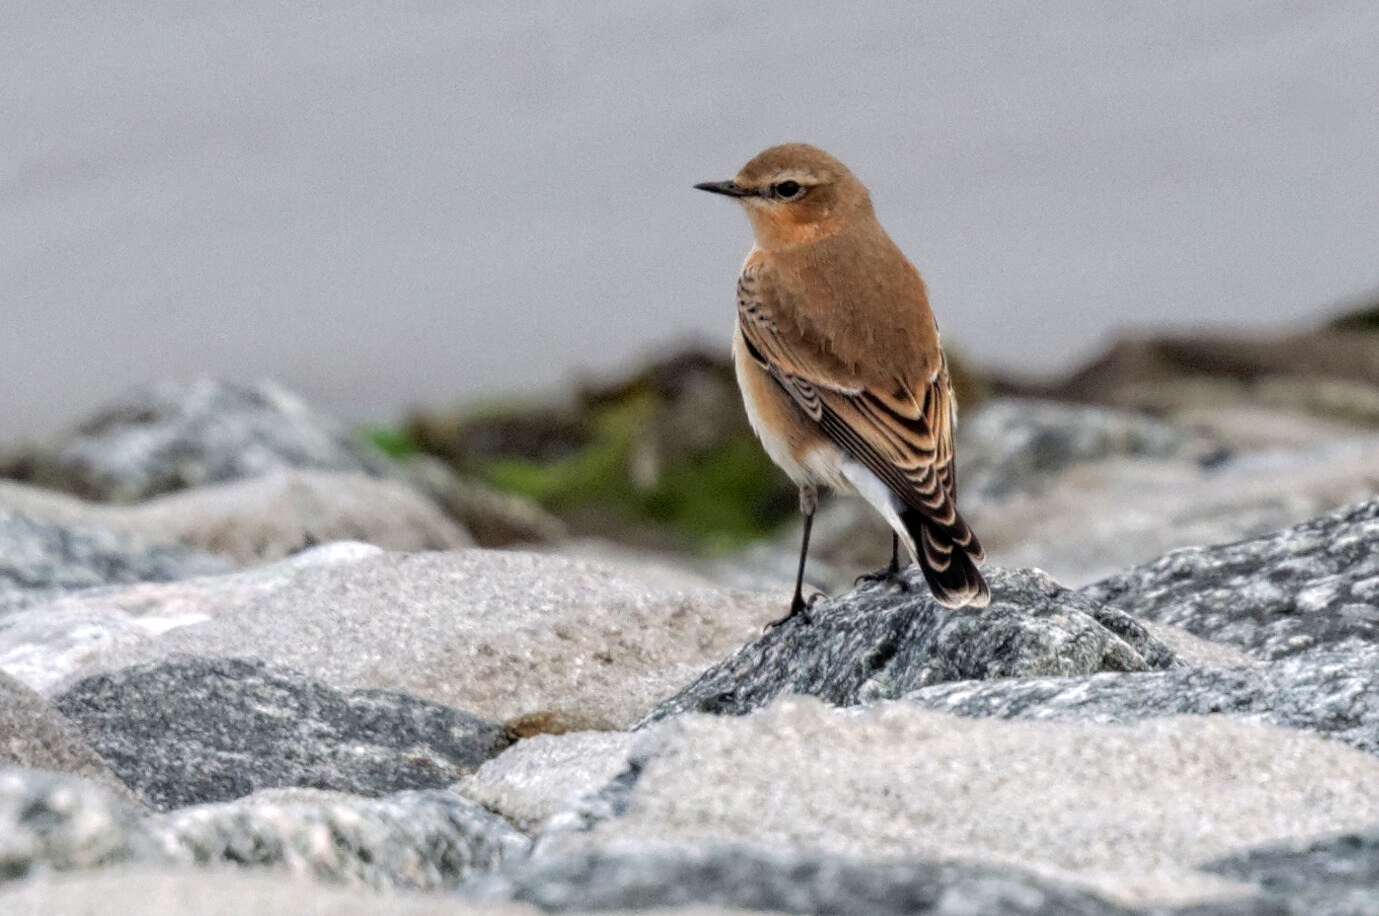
(840, 365)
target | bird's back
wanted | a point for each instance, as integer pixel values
(858, 295)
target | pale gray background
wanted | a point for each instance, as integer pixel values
(383, 204)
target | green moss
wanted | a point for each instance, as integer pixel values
(595, 473)
(395, 443)
(721, 498)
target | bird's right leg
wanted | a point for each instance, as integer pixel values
(809, 501)
(892, 571)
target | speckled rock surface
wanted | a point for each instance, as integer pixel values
(35, 735)
(145, 892)
(781, 882)
(419, 840)
(44, 644)
(1013, 445)
(1314, 584)
(542, 643)
(1099, 519)
(189, 730)
(1128, 811)
(282, 512)
(1333, 692)
(174, 435)
(539, 777)
(1331, 876)
(41, 561)
(879, 642)
(264, 518)
(56, 822)
(1195, 652)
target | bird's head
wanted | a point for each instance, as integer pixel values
(795, 194)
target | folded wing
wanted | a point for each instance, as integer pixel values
(900, 431)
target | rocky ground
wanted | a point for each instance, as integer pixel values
(249, 664)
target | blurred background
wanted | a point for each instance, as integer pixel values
(388, 205)
(419, 216)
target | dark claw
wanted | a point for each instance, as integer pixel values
(891, 574)
(799, 607)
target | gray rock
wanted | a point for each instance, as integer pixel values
(261, 519)
(1332, 692)
(535, 778)
(1196, 652)
(165, 892)
(202, 892)
(1315, 584)
(188, 731)
(176, 435)
(51, 821)
(418, 840)
(585, 810)
(40, 561)
(1015, 445)
(1126, 811)
(1101, 518)
(1245, 421)
(540, 643)
(282, 512)
(879, 642)
(35, 735)
(1334, 876)
(42, 645)
(752, 879)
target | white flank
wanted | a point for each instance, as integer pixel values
(881, 499)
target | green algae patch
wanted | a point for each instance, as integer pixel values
(664, 457)
(717, 498)
(395, 443)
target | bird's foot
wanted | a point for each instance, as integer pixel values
(799, 607)
(892, 574)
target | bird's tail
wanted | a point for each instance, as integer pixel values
(948, 554)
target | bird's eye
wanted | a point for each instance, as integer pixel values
(787, 190)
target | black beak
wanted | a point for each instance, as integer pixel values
(727, 188)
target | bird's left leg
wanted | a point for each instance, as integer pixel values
(799, 607)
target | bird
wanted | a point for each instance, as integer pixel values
(842, 372)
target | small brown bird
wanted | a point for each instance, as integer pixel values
(840, 365)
